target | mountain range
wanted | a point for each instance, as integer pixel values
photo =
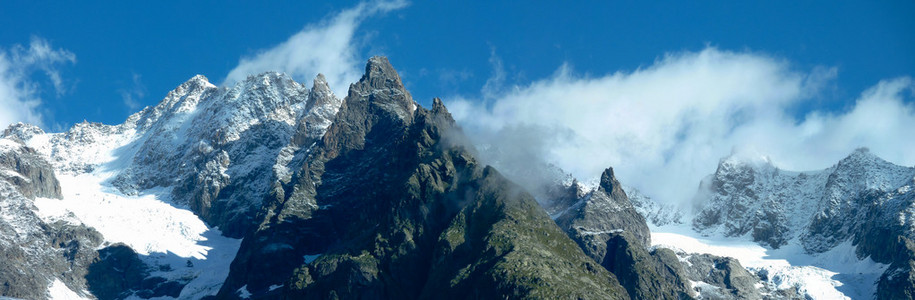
(272, 190)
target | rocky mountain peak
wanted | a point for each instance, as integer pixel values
(268, 78)
(611, 186)
(441, 112)
(379, 98)
(744, 161)
(861, 157)
(21, 131)
(320, 94)
(379, 72)
(608, 180)
(320, 85)
(382, 87)
(863, 169)
(198, 82)
(182, 99)
(437, 104)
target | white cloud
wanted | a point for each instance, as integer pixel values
(327, 47)
(19, 94)
(666, 126)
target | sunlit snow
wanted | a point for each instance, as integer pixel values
(171, 239)
(163, 234)
(835, 274)
(59, 291)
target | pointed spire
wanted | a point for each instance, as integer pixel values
(608, 180)
(380, 86)
(379, 72)
(320, 83)
(320, 94)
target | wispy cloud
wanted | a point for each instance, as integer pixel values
(328, 47)
(19, 94)
(132, 94)
(666, 126)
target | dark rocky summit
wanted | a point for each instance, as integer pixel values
(389, 204)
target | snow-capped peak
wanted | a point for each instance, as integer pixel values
(746, 158)
(167, 165)
(21, 131)
(776, 206)
(862, 169)
(195, 85)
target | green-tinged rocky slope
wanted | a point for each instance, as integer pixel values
(391, 204)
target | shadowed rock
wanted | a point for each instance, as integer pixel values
(388, 205)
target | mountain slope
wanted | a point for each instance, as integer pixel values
(162, 181)
(373, 196)
(38, 258)
(218, 150)
(608, 228)
(391, 204)
(862, 201)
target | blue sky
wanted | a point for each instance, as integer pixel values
(443, 48)
(798, 70)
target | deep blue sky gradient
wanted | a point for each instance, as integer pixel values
(443, 48)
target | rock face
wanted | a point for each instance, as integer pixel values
(898, 282)
(219, 150)
(24, 168)
(608, 228)
(602, 214)
(655, 213)
(862, 199)
(824, 208)
(227, 140)
(388, 205)
(35, 253)
(722, 278)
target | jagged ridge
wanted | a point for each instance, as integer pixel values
(388, 205)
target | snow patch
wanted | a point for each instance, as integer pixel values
(58, 290)
(243, 292)
(598, 232)
(835, 274)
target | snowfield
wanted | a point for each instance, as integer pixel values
(163, 234)
(835, 274)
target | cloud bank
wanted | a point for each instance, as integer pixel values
(328, 47)
(665, 127)
(19, 93)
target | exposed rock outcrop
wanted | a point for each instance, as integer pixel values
(608, 228)
(387, 205)
(34, 253)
